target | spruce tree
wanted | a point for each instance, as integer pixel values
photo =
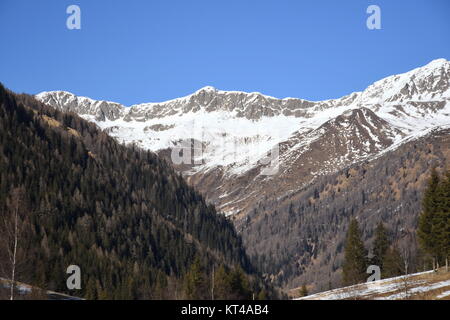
(380, 245)
(441, 219)
(355, 261)
(428, 208)
(431, 228)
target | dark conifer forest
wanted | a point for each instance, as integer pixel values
(125, 217)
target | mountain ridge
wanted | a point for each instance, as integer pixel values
(234, 131)
(254, 121)
(440, 63)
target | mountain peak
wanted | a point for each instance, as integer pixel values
(423, 84)
(430, 67)
(207, 88)
(438, 62)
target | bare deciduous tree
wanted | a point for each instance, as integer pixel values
(12, 227)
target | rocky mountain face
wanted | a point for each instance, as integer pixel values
(249, 153)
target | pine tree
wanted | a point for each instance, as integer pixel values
(355, 261)
(380, 245)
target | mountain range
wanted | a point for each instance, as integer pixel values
(290, 172)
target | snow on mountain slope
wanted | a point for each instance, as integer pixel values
(236, 131)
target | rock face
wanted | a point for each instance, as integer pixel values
(249, 153)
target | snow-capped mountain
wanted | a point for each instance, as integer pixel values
(235, 130)
(365, 155)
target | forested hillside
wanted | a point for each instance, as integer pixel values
(305, 231)
(121, 214)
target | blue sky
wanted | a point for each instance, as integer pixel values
(141, 51)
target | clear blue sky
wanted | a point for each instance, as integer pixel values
(140, 51)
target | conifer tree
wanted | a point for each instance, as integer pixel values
(433, 229)
(441, 219)
(380, 245)
(196, 286)
(239, 284)
(426, 217)
(355, 261)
